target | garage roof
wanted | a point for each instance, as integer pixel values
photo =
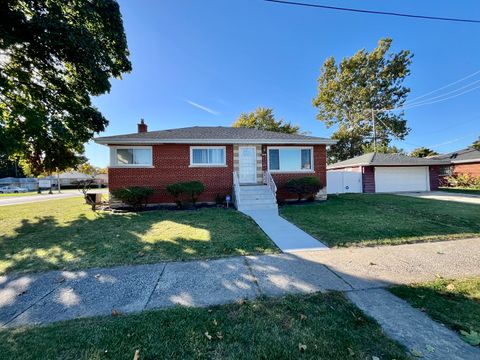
(380, 159)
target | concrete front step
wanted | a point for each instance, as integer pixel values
(246, 197)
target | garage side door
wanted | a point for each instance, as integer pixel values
(408, 178)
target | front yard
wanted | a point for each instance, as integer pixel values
(66, 234)
(319, 326)
(455, 303)
(373, 219)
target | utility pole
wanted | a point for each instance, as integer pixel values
(374, 132)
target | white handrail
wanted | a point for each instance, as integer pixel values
(236, 189)
(268, 180)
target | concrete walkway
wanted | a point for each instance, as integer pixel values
(288, 237)
(61, 295)
(445, 196)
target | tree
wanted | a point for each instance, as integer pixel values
(366, 83)
(264, 119)
(10, 168)
(476, 144)
(55, 55)
(422, 152)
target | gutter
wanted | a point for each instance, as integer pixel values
(210, 141)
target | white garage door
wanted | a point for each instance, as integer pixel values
(408, 178)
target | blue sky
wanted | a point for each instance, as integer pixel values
(203, 62)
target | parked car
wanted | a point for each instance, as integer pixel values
(12, 189)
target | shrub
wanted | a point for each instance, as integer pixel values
(135, 196)
(304, 186)
(193, 189)
(463, 180)
(176, 190)
(190, 189)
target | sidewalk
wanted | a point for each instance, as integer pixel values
(61, 295)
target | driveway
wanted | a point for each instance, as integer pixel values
(446, 196)
(15, 200)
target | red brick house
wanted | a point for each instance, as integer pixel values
(465, 161)
(229, 161)
(377, 172)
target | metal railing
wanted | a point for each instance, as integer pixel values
(268, 180)
(236, 189)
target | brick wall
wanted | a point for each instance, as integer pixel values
(368, 179)
(172, 164)
(319, 165)
(434, 177)
(472, 169)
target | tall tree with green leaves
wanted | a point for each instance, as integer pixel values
(55, 55)
(422, 152)
(349, 91)
(264, 119)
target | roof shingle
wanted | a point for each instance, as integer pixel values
(461, 156)
(212, 134)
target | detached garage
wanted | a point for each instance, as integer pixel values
(389, 173)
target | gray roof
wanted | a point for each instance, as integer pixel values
(461, 156)
(380, 159)
(212, 135)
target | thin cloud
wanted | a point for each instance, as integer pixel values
(201, 107)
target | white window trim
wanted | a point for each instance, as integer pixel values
(113, 157)
(312, 170)
(224, 164)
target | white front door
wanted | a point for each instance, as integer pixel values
(247, 164)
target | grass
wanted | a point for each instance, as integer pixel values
(327, 324)
(455, 303)
(363, 219)
(66, 234)
(461, 190)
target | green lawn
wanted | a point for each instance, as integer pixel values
(455, 303)
(461, 190)
(372, 219)
(328, 325)
(66, 234)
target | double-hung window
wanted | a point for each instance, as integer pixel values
(207, 156)
(132, 156)
(290, 159)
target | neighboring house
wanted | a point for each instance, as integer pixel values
(465, 161)
(377, 172)
(73, 178)
(27, 183)
(229, 161)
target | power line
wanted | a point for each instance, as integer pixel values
(373, 11)
(446, 86)
(411, 102)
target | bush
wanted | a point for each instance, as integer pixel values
(463, 180)
(306, 186)
(135, 196)
(190, 189)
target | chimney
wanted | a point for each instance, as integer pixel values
(142, 127)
